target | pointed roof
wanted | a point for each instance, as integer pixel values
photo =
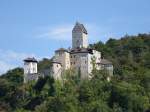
(105, 62)
(61, 50)
(79, 27)
(29, 59)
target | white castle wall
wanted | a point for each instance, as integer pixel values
(30, 71)
(30, 67)
(84, 40)
(63, 58)
(56, 70)
(79, 40)
(83, 61)
(79, 61)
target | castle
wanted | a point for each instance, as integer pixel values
(79, 58)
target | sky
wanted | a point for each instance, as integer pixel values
(36, 28)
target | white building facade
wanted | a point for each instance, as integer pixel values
(80, 57)
(30, 69)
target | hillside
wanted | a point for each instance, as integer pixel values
(128, 91)
(129, 53)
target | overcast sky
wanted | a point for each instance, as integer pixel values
(38, 27)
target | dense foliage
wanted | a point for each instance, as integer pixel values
(128, 90)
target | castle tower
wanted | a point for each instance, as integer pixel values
(61, 62)
(56, 70)
(30, 69)
(79, 36)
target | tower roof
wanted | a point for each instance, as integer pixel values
(79, 27)
(105, 62)
(30, 60)
(62, 50)
(82, 50)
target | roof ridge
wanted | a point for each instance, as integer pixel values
(81, 26)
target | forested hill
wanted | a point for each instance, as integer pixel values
(128, 90)
(128, 53)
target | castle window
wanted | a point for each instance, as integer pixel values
(77, 42)
(28, 71)
(60, 54)
(33, 69)
(26, 63)
(74, 62)
(71, 56)
(71, 63)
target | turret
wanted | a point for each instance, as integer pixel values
(61, 62)
(30, 69)
(56, 70)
